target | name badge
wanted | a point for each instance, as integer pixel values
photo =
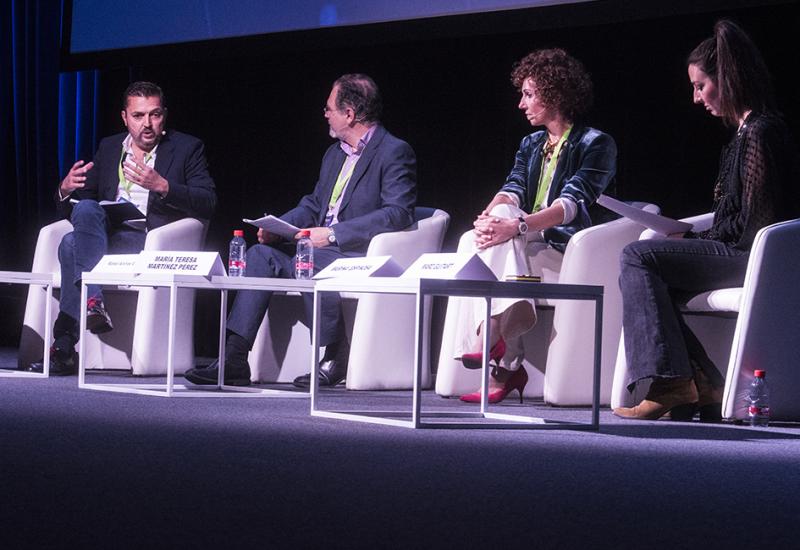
(116, 263)
(204, 264)
(359, 268)
(466, 266)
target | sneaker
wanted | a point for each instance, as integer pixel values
(62, 363)
(97, 319)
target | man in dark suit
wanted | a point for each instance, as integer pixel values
(366, 186)
(164, 173)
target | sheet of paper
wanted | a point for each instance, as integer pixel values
(656, 222)
(275, 225)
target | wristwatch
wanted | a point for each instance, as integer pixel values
(523, 227)
(331, 236)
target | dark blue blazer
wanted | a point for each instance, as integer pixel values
(180, 159)
(380, 196)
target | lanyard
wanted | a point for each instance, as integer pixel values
(548, 169)
(126, 185)
(344, 177)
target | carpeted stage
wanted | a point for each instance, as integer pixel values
(88, 469)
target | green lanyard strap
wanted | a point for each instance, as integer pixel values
(344, 177)
(548, 169)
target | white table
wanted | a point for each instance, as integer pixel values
(174, 282)
(46, 280)
(425, 288)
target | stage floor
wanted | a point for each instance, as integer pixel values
(89, 468)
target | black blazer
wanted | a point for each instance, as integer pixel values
(180, 159)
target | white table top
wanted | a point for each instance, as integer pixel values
(216, 282)
(25, 277)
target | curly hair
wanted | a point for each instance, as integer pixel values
(734, 63)
(561, 81)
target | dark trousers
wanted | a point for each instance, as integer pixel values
(250, 306)
(658, 343)
(79, 251)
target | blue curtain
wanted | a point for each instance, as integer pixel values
(48, 121)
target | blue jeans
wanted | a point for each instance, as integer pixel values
(79, 251)
(250, 306)
(654, 273)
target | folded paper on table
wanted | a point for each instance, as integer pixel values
(275, 225)
(659, 224)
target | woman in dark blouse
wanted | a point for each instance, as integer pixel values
(754, 188)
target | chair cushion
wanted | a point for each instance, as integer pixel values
(725, 299)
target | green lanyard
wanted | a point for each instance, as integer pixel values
(546, 174)
(344, 177)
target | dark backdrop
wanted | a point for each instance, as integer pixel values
(257, 104)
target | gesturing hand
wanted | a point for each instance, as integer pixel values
(75, 178)
(143, 175)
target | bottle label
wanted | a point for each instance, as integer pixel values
(236, 264)
(303, 266)
(754, 410)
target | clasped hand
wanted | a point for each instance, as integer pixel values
(491, 230)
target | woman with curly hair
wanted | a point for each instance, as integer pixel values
(559, 171)
(756, 187)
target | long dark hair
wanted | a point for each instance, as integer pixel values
(735, 65)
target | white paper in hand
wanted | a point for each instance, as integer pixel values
(276, 226)
(656, 222)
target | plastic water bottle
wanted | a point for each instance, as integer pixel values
(304, 259)
(237, 255)
(758, 411)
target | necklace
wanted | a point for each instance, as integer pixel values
(549, 147)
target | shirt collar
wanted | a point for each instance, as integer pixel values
(128, 148)
(362, 143)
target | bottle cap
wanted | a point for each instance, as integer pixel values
(305, 232)
(759, 373)
(238, 233)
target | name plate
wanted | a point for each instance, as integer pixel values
(116, 263)
(179, 262)
(467, 266)
(359, 268)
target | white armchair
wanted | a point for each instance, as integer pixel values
(380, 354)
(140, 317)
(559, 351)
(748, 328)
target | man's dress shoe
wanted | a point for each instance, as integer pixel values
(237, 373)
(331, 373)
(62, 363)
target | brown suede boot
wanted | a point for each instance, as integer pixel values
(677, 396)
(709, 402)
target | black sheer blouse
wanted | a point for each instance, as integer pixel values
(757, 183)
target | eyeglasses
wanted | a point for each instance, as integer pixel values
(326, 110)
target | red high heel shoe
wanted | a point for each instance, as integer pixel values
(517, 381)
(475, 360)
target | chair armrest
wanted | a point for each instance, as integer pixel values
(185, 234)
(701, 222)
(407, 245)
(45, 257)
